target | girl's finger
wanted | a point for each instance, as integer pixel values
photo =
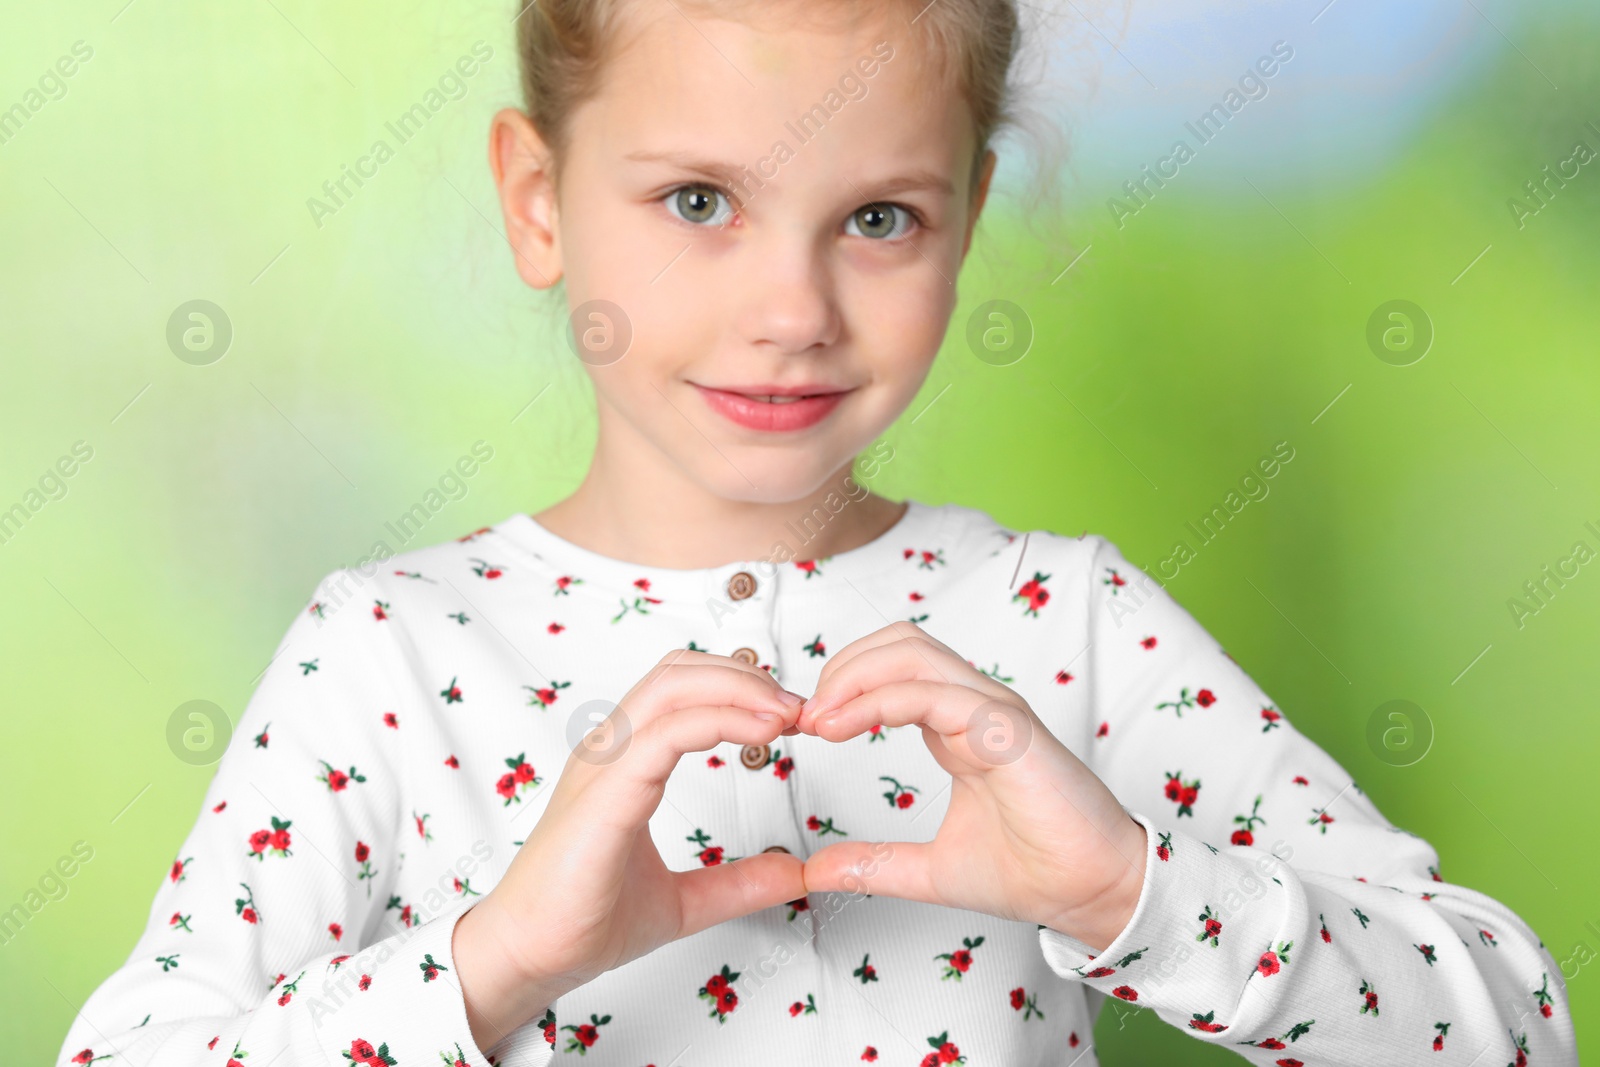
(895, 631)
(892, 660)
(711, 895)
(628, 785)
(685, 677)
(973, 725)
(891, 869)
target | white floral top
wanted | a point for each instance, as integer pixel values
(411, 727)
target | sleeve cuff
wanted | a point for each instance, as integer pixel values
(1206, 920)
(399, 1000)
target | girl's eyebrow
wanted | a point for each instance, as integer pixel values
(728, 174)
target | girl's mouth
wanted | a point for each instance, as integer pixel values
(766, 408)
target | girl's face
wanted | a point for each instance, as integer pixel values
(781, 209)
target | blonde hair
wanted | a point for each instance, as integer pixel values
(563, 45)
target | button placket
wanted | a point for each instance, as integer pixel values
(747, 628)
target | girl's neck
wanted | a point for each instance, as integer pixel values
(691, 532)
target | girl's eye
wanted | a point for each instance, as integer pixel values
(879, 221)
(697, 204)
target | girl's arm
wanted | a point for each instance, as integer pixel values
(275, 933)
(1281, 914)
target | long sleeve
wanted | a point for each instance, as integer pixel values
(273, 934)
(1281, 914)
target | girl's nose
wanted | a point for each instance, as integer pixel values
(787, 297)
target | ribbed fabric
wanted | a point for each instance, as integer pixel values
(410, 729)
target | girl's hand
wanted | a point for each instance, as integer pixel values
(588, 891)
(1030, 833)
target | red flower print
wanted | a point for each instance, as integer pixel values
(1370, 998)
(1184, 794)
(336, 930)
(866, 972)
(1438, 1040)
(177, 874)
(522, 774)
(869, 1054)
(380, 610)
(1542, 993)
(944, 1051)
(1016, 998)
(1148, 642)
(362, 852)
(1270, 961)
(1125, 992)
(782, 766)
(544, 695)
(1300, 779)
(452, 762)
(1164, 848)
(898, 796)
(1034, 592)
(555, 628)
(1072, 1039)
(390, 721)
(1204, 1023)
(365, 983)
(1246, 836)
(1271, 718)
(451, 693)
(219, 807)
(1211, 927)
(485, 570)
(1204, 698)
(290, 989)
(361, 1051)
(276, 839)
(1062, 677)
(248, 915)
(713, 761)
(959, 962)
(719, 991)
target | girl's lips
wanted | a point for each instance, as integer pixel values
(765, 415)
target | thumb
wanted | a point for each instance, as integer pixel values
(712, 895)
(883, 868)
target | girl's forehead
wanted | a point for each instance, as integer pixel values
(858, 87)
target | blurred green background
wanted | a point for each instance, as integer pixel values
(1228, 314)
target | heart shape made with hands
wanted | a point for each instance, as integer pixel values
(1030, 833)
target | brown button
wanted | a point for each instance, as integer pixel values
(746, 655)
(774, 848)
(755, 756)
(741, 585)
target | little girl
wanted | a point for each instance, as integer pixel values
(725, 760)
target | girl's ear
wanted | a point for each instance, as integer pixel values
(524, 173)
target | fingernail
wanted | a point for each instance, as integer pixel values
(769, 716)
(791, 699)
